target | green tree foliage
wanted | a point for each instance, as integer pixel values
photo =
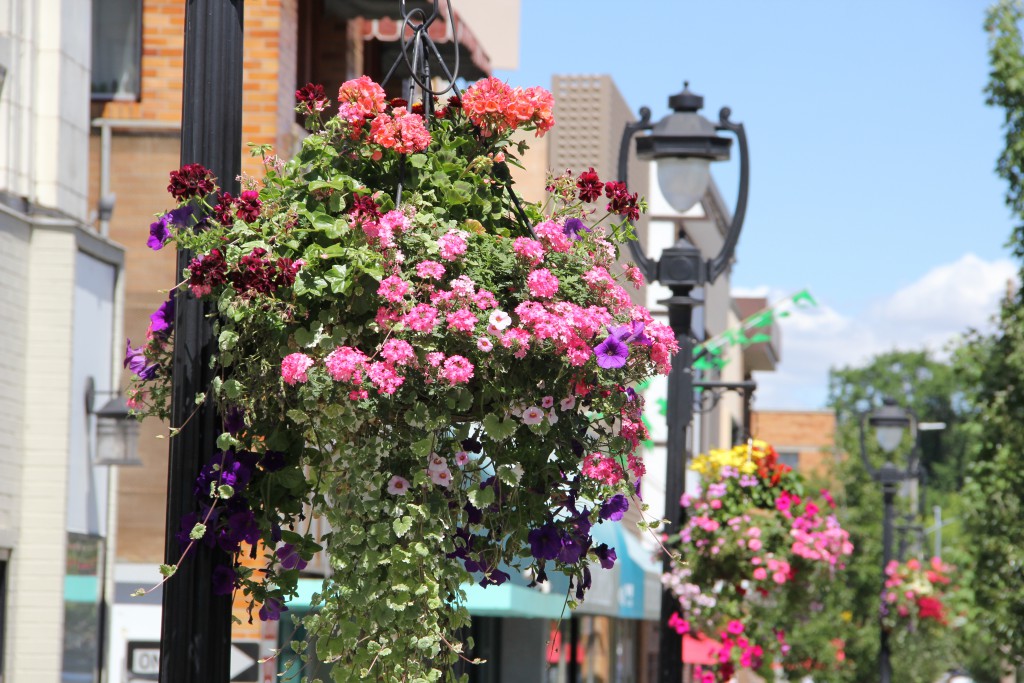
(935, 391)
(992, 369)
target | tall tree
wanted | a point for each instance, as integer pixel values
(931, 389)
(992, 367)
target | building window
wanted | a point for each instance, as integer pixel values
(790, 458)
(116, 49)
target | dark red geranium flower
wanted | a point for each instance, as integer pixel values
(622, 202)
(312, 95)
(287, 269)
(206, 272)
(225, 208)
(589, 185)
(249, 206)
(191, 180)
(399, 102)
(255, 273)
(364, 207)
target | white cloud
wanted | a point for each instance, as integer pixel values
(928, 313)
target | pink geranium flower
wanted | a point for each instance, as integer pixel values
(294, 366)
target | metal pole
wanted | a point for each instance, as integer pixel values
(196, 624)
(889, 496)
(680, 414)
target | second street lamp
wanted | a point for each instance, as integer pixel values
(683, 144)
(889, 422)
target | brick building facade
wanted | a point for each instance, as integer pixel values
(805, 439)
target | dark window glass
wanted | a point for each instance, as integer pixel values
(791, 458)
(116, 49)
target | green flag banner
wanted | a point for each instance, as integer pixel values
(710, 355)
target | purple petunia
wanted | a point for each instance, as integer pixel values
(573, 227)
(613, 508)
(234, 419)
(135, 361)
(161, 321)
(611, 353)
(160, 229)
(606, 556)
(290, 558)
(545, 542)
(271, 609)
(571, 551)
(631, 332)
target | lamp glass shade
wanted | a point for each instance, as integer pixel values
(117, 441)
(683, 181)
(889, 437)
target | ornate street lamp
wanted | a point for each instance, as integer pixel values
(683, 144)
(890, 422)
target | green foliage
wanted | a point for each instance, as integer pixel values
(936, 392)
(992, 367)
(366, 341)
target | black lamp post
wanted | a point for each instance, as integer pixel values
(195, 640)
(683, 144)
(889, 422)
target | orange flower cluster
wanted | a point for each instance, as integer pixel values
(497, 107)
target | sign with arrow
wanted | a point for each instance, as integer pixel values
(245, 657)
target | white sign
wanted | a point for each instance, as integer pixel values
(144, 659)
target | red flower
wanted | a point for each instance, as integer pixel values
(191, 180)
(249, 206)
(224, 209)
(622, 202)
(931, 608)
(312, 95)
(589, 185)
(206, 272)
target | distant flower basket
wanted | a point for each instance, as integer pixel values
(754, 555)
(446, 384)
(914, 598)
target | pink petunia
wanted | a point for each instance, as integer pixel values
(398, 486)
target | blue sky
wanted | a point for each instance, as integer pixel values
(872, 153)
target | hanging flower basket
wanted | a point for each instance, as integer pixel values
(402, 350)
(754, 556)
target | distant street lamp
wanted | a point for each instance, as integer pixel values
(889, 422)
(683, 144)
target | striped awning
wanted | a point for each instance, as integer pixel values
(381, 22)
